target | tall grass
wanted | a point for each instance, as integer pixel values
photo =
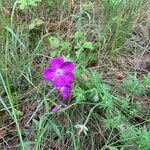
(5, 82)
(118, 16)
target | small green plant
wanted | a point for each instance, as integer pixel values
(144, 139)
(54, 42)
(84, 48)
(133, 85)
(25, 3)
(58, 46)
(146, 80)
(128, 134)
(81, 47)
(114, 120)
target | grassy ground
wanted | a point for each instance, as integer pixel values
(109, 42)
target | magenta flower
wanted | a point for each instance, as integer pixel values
(66, 91)
(56, 108)
(59, 72)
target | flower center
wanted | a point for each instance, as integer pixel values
(59, 72)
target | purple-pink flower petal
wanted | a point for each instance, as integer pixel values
(48, 74)
(62, 104)
(61, 74)
(59, 81)
(56, 108)
(64, 79)
(68, 66)
(56, 62)
(65, 91)
(68, 77)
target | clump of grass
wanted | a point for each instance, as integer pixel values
(118, 20)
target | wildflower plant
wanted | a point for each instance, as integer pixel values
(61, 74)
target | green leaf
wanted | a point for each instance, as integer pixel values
(25, 3)
(146, 79)
(112, 148)
(22, 4)
(88, 45)
(79, 46)
(5, 106)
(53, 54)
(56, 129)
(78, 35)
(18, 112)
(66, 46)
(144, 143)
(35, 22)
(115, 2)
(36, 122)
(54, 42)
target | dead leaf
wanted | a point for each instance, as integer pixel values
(3, 133)
(5, 11)
(143, 64)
